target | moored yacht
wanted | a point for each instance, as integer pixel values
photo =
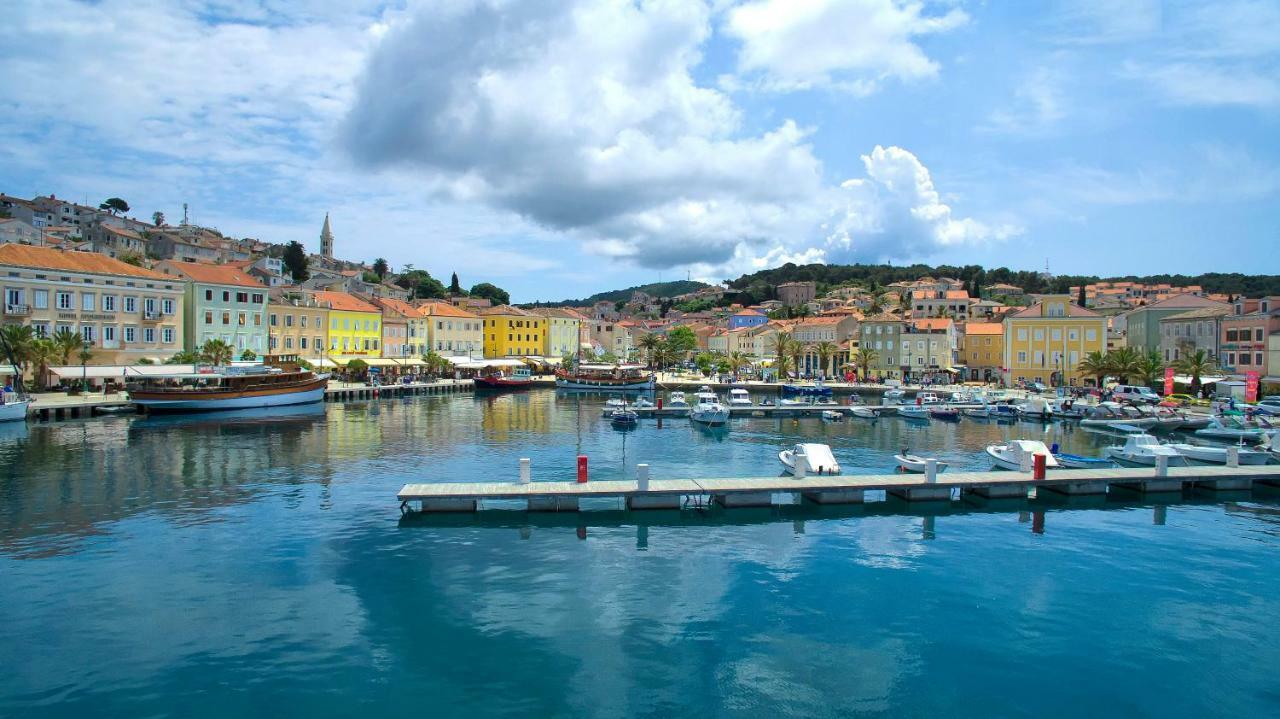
(235, 387)
(1009, 456)
(709, 411)
(1142, 450)
(739, 397)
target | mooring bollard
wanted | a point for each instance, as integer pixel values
(1162, 465)
(931, 470)
(642, 477)
(801, 463)
(526, 473)
(1024, 460)
(1041, 463)
(582, 469)
(1233, 456)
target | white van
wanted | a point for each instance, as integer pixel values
(1135, 394)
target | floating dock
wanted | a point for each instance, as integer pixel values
(791, 410)
(825, 489)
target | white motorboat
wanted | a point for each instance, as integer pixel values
(1218, 455)
(709, 411)
(1035, 409)
(643, 403)
(1069, 409)
(832, 415)
(739, 398)
(1142, 450)
(982, 412)
(961, 397)
(913, 411)
(13, 409)
(1218, 430)
(928, 398)
(1166, 419)
(1108, 415)
(614, 404)
(818, 459)
(915, 463)
(1079, 461)
(1009, 456)
(864, 412)
(894, 395)
(676, 400)
(793, 402)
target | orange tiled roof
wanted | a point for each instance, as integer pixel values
(212, 274)
(505, 310)
(344, 302)
(398, 306)
(443, 309)
(49, 258)
(932, 323)
(984, 328)
(957, 295)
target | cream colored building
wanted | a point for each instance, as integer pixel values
(125, 313)
(563, 331)
(453, 331)
(297, 324)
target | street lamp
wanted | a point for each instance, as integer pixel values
(84, 370)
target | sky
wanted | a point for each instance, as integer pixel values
(566, 147)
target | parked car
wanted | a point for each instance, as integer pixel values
(1269, 405)
(1183, 400)
(1134, 394)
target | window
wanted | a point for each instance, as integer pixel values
(302, 320)
(108, 333)
(242, 297)
(131, 304)
(65, 301)
(1231, 359)
(166, 335)
(149, 305)
(208, 317)
(1039, 334)
(1057, 334)
(88, 301)
(1090, 335)
(41, 299)
(41, 329)
(288, 320)
(271, 319)
(1257, 359)
(149, 335)
(1245, 358)
(130, 334)
(1257, 336)
(302, 343)
(1231, 335)
(14, 297)
(208, 295)
(86, 332)
(257, 298)
(257, 319)
(1022, 357)
(242, 319)
(288, 343)
(226, 296)
(1022, 334)
(166, 306)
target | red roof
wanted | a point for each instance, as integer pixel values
(211, 274)
(984, 328)
(344, 302)
(49, 258)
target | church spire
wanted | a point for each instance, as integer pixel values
(326, 239)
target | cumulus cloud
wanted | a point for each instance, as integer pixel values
(847, 44)
(895, 212)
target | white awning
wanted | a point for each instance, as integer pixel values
(8, 370)
(481, 364)
(325, 363)
(121, 371)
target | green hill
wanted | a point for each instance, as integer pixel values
(655, 289)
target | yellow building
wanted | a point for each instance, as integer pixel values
(1046, 341)
(355, 327)
(983, 352)
(512, 332)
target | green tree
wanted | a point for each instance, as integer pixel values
(184, 357)
(157, 218)
(825, 351)
(1150, 366)
(114, 205)
(1095, 365)
(704, 361)
(493, 293)
(1080, 297)
(1124, 363)
(44, 352)
(455, 288)
(864, 358)
(216, 352)
(380, 268)
(371, 277)
(738, 360)
(131, 258)
(421, 284)
(681, 341)
(357, 367)
(649, 343)
(67, 342)
(1197, 364)
(248, 356)
(18, 340)
(295, 261)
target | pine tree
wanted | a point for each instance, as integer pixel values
(454, 287)
(1080, 297)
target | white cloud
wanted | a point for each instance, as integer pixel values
(1037, 106)
(1188, 83)
(848, 44)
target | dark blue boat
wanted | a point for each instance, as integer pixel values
(791, 390)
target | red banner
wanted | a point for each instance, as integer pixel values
(1168, 381)
(1251, 387)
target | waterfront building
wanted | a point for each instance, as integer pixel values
(1003, 289)
(983, 351)
(297, 324)
(796, 294)
(404, 328)
(512, 332)
(1047, 341)
(563, 331)
(1199, 329)
(884, 334)
(125, 313)
(222, 302)
(1245, 334)
(1142, 324)
(355, 327)
(927, 347)
(813, 330)
(452, 331)
(610, 336)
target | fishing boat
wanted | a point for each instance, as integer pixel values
(832, 415)
(927, 398)
(1003, 412)
(947, 414)
(222, 388)
(13, 408)
(960, 397)
(1218, 455)
(983, 412)
(1217, 429)
(676, 400)
(504, 379)
(1110, 414)
(1069, 409)
(709, 411)
(864, 412)
(915, 463)
(1009, 455)
(913, 411)
(739, 398)
(1035, 409)
(1143, 450)
(615, 377)
(817, 459)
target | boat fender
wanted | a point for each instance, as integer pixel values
(1053, 449)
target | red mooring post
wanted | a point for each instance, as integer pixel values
(582, 469)
(1038, 468)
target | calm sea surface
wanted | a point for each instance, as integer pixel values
(190, 567)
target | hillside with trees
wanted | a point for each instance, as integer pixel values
(661, 290)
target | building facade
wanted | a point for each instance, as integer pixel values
(1184, 333)
(1142, 325)
(124, 313)
(563, 331)
(453, 331)
(297, 324)
(512, 332)
(796, 294)
(222, 302)
(1047, 341)
(746, 319)
(355, 327)
(1245, 336)
(404, 328)
(982, 352)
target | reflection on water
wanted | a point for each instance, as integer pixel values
(199, 566)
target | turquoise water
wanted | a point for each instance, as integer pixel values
(203, 567)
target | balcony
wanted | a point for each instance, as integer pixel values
(152, 315)
(17, 310)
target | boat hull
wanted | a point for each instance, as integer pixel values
(605, 385)
(502, 384)
(245, 400)
(14, 411)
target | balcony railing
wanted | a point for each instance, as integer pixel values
(152, 315)
(17, 310)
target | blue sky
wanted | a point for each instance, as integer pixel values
(561, 148)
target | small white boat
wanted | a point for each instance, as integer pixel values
(1218, 455)
(961, 397)
(832, 415)
(864, 412)
(1079, 461)
(1141, 450)
(676, 400)
(642, 403)
(894, 395)
(1069, 409)
(1009, 456)
(915, 463)
(928, 398)
(818, 459)
(1218, 430)
(709, 411)
(1166, 419)
(982, 412)
(624, 418)
(14, 409)
(793, 402)
(1109, 414)
(1035, 409)
(739, 398)
(614, 404)
(913, 411)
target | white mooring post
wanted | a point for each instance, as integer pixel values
(642, 477)
(525, 471)
(1233, 456)
(1162, 465)
(931, 470)
(1024, 460)
(802, 464)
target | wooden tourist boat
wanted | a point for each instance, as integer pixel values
(619, 377)
(222, 388)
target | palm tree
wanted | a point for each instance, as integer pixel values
(798, 351)
(782, 342)
(738, 360)
(1150, 367)
(825, 351)
(1095, 365)
(44, 352)
(19, 339)
(67, 342)
(216, 352)
(864, 358)
(1124, 363)
(782, 364)
(649, 343)
(1196, 364)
